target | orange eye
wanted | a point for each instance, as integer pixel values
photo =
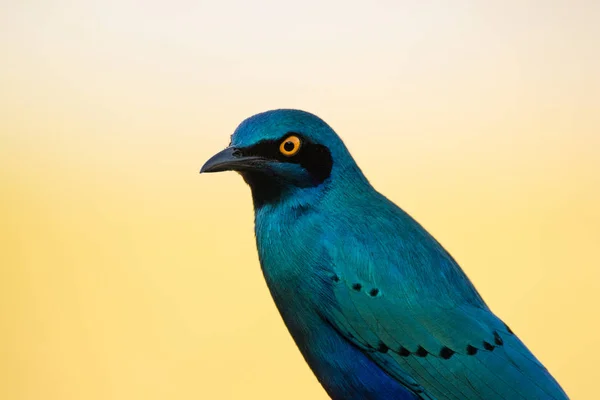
(290, 146)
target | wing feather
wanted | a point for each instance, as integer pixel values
(464, 352)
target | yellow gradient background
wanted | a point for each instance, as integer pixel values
(126, 275)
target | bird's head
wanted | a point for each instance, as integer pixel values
(285, 152)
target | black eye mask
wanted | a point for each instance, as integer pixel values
(314, 158)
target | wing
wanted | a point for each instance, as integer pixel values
(438, 347)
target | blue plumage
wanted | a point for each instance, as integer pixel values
(375, 304)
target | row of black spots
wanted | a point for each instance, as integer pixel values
(404, 352)
(472, 350)
(358, 287)
(446, 353)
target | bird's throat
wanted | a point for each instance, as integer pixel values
(265, 189)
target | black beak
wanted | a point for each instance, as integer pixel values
(232, 159)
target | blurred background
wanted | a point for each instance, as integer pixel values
(126, 275)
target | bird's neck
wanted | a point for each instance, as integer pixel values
(289, 218)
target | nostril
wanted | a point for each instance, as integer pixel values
(236, 153)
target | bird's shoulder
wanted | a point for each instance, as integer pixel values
(379, 243)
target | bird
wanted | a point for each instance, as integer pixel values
(377, 307)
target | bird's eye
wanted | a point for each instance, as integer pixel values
(290, 146)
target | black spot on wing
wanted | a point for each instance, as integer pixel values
(403, 351)
(446, 353)
(471, 350)
(382, 348)
(421, 352)
(497, 339)
(488, 346)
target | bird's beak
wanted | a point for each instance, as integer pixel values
(231, 159)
